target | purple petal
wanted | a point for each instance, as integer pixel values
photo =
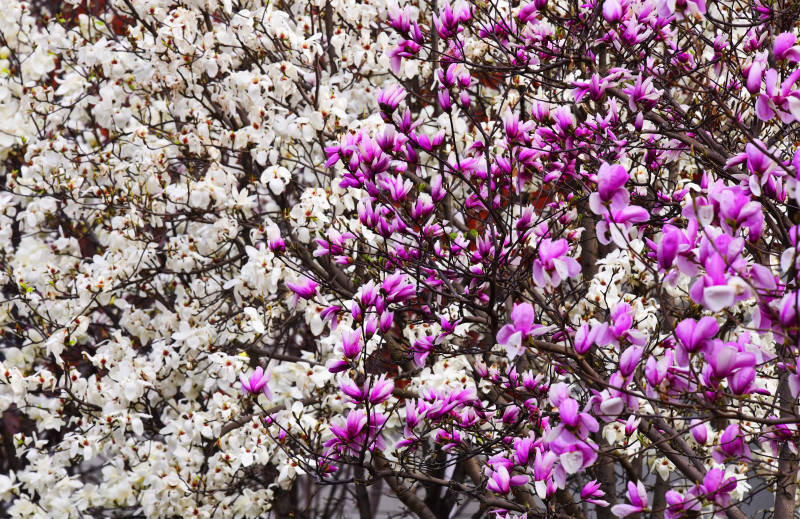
(783, 42)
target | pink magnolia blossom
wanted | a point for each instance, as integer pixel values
(257, 382)
(637, 495)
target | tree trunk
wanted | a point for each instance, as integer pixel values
(786, 487)
(329, 35)
(659, 498)
(362, 496)
(409, 498)
(589, 246)
(604, 472)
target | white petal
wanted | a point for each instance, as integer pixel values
(572, 461)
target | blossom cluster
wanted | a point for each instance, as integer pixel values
(265, 257)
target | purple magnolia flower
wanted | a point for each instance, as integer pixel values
(346, 151)
(794, 383)
(400, 20)
(351, 344)
(741, 382)
(693, 336)
(782, 433)
(553, 265)
(543, 465)
(621, 327)
(715, 488)
(389, 99)
(655, 371)
(523, 450)
(610, 191)
(368, 294)
(752, 41)
(724, 358)
(334, 245)
(573, 422)
(501, 482)
(528, 12)
(783, 101)
(437, 192)
(404, 123)
(788, 309)
(512, 335)
(591, 492)
(445, 102)
(257, 382)
(468, 417)
(699, 431)
(637, 495)
(442, 402)
(674, 247)
(515, 130)
(573, 453)
(642, 93)
(498, 460)
(275, 241)
(337, 365)
(716, 290)
(540, 111)
(681, 9)
(386, 321)
(397, 289)
(390, 141)
(366, 213)
(638, 124)
(612, 11)
(677, 505)
(447, 23)
(397, 188)
(481, 369)
(609, 403)
(720, 44)
(510, 414)
(370, 325)
(735, 204)
(785, 48)
(629, 360)
(421, 349)
(667, 249)
(728, 360)
(428, 144)
(352, 390)
(454, 76)
(585, 337)
(595, 87)
(632, 425)
(359, 432)
(405, 49)
(448, 440)
(304, 288)
(381, 390)
(448, 328)
(732, 446)
(414, 414)
(756, 72)
(331, 314)
(558, 393)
